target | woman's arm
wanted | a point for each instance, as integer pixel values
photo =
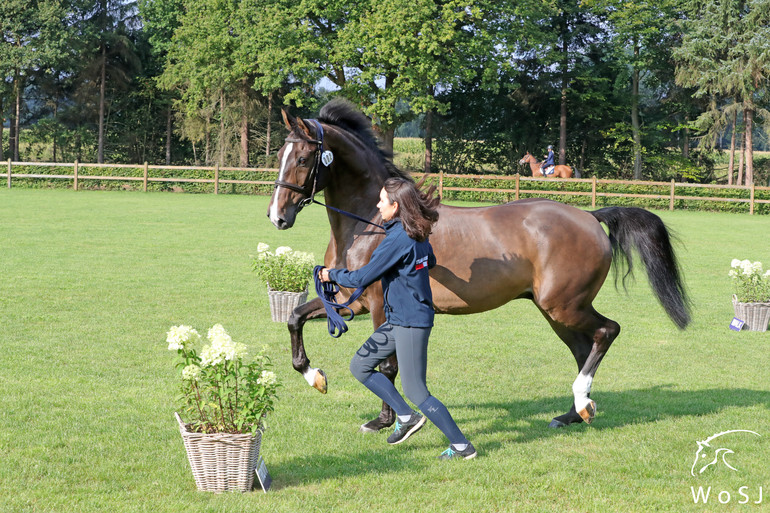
(387, 255)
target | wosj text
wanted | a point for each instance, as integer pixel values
(744, 495)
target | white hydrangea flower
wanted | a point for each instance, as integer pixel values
(747, 267)
(233, 351)
(222, 348)
(735, 263)
(283, 249)
(267, 378)
(191, 373)
(262, 247)
(181, 337)
(217, 332)
(733, 273)
(304, 258)
(211, 355)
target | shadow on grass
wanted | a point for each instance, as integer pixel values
(317, 468)
(524, 419)
(525, 422)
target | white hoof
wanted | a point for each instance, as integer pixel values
(316, 378)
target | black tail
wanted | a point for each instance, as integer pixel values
(631, 228)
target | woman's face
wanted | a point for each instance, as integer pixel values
(386, 208)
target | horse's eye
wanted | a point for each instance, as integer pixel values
(302, 161)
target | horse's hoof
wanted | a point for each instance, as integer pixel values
(366, 429)
(373, 426)
(588, 412)
(556, 423)
(320, 383)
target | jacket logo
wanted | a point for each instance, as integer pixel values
(422, 263)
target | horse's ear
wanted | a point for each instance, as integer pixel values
(302, 126)
(288, 119)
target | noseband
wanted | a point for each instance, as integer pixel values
(309, 188)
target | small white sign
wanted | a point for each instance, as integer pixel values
(327, 158)
(737, 324)
(263, 475)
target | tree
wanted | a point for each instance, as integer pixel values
(641, 30)
(725, 53)
(378, 54)
(161, 19)
(107, 32)
(32, 39)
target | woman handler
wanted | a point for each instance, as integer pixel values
(401, 262)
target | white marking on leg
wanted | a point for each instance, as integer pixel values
(281, 173)
(310, 375)
(581, 388)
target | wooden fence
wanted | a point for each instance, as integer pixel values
(77, 176)
(676, 190)
(516, 185)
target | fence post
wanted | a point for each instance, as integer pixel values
(751, 203)
(441, 183)
(144, 185)
(593, 191)
(9, 173)
(75, 175)
(216, 179)
(671, 198)
(517, 186)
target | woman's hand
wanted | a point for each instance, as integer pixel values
(324, 275)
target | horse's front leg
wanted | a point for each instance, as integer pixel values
(314, 309)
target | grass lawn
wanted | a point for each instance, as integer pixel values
(91, 281)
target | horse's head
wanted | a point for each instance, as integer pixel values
(525, 158)
(300, 160)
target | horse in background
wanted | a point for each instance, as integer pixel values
(559, 170)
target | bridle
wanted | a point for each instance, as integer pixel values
(311, 183)
(321, 159)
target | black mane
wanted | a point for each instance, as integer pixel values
(343, 114)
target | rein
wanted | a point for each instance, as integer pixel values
(327, 292)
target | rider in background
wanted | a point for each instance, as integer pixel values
(549, 160)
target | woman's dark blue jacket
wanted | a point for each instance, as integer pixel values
(402, 264)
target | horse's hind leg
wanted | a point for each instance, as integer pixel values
(589, 336)
(387, 416)
(389, 368)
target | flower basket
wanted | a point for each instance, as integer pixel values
(283, 303)
(221, 462)
(755, 315)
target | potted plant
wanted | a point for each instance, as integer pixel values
(287, 274)
(751, 300)
(225, 402)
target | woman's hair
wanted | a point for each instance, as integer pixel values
(417, 208)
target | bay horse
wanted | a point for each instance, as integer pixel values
(559, 170)
(487, 256)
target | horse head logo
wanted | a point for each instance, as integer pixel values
(706, 458)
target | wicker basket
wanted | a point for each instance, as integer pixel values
(755, 315)
(282, 303)
(221, 462)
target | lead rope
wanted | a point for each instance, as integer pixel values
(327, 292)
(345, 213)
